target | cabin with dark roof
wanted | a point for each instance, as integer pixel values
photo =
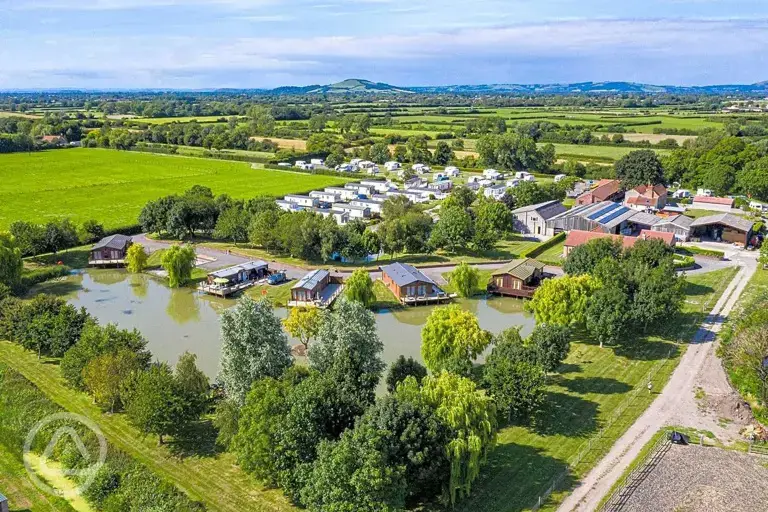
(231, 280)
(519, 278)
(410, 285)
(110, 251)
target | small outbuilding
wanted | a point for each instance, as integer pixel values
(110, 251)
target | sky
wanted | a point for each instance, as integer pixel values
(193, 44)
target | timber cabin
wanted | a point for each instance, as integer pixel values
(233, 279)
(519, 278)
(110, 251)
(411, 286)
(318, 288)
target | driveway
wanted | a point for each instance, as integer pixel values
(699, 368)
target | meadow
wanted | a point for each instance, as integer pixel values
(113, 186)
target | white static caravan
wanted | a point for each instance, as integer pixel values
(495, 192)
(326, 197)
(345, 193)
(365, 190)
(288, 206)
(374, 206)
(392, 166)
(378, 185)
(319, 162)
(492, 174)
(355, 212)
(304, 201)
(452, 171)
(559, 178)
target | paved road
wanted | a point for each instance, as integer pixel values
(675, 404)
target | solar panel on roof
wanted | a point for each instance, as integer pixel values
(603, 211)
(613, 215)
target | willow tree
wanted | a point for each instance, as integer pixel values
(471, 416)
(452, 339)
(178, 261)
(136, 258)
(465, 279)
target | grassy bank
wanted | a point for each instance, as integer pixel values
(18, 488)
(212, 478)
(592, 386)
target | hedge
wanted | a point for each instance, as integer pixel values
(122, 483)
(542, 247)
(710, 253)
(33, 277)
(685, 262)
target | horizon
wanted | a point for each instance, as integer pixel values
(263, 44)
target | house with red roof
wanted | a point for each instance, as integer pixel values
(719, 204)
(576, 238)
(646, 197)
(606, 190)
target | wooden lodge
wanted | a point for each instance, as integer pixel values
(110, 251)
(231, 280)
(519, 278)
(411, 286)
(316, 289)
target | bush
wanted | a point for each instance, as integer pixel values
(710, 253)
(684, 262)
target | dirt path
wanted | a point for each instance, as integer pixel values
(676, 404)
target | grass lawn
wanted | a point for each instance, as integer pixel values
(590, 386)
(385, 299)
(505, 250)
(113, 186)
(279, 294)
(18, 488)
(213, 479)
(553, 255)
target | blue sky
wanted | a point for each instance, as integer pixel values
(267, 43)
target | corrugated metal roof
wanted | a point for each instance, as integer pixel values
(311, 280)
(112, 242)
(403, 274)
(231, 271)
(547, 209)
(727, 219)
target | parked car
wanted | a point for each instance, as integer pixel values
(277, 277)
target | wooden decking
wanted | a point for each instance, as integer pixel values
(428, 299)
(107, 263)
(526, 292)
(224, 291)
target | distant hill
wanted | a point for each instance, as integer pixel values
(356, 85)
(595, 88)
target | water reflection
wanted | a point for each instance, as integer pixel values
(174, 321)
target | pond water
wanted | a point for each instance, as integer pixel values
(178, 320)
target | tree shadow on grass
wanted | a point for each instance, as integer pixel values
(513, 479)
(598, 385)
(198, 440)
(565, 415)
(647, 350)
(569, 368)
(697, 289)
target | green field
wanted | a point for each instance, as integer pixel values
(113, 186)
(591, 386)
(166, 120)
(612, 152)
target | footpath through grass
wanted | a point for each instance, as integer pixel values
(18, 488)
(214, 479)
(113, 186)
(591, 387)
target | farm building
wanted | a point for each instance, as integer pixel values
(640, 221)
(532, 220)
(519, 278)
(355, 212)
(720, 204)
(723, 227)
(303, 201)
(410, 285)
(318, 288)
(110, 250)
(606, 190)
(679, 225)
(646, 197)
(233, 279)
(606, 217)
(576, 238)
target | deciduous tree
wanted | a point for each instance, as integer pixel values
(451, 340)
(178, 261)
(359, 288)
(303, 324)
(136, 258)
(465, 279)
